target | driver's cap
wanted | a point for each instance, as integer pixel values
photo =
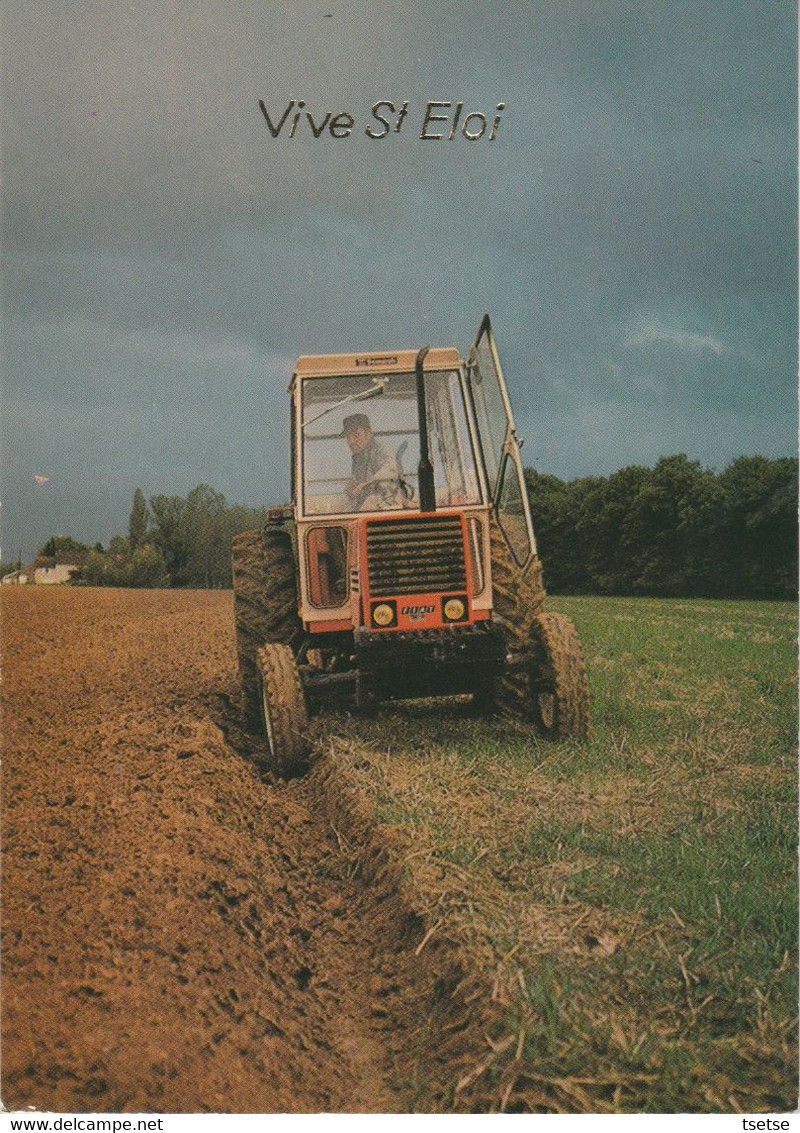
(355, 421)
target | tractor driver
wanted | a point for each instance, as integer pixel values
(376, 483)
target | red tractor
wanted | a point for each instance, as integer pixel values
(406, 565)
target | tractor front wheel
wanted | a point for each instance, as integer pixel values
(557, 685)
(283, 709)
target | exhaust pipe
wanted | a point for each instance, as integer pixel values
(427, 492)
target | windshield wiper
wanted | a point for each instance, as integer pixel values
(378, 387)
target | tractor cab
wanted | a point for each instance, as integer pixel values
(399, 461)
(379, 392)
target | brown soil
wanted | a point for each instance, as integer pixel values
(182, 933)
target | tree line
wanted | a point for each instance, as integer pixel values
(172, 541)
(677, 529)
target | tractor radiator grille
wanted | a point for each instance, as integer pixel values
(415, 556)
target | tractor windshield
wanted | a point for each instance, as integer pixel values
(360, 446)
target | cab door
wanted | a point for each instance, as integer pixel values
(500, 445)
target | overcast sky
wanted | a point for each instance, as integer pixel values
(631, 229)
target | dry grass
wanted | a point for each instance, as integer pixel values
(629, 903)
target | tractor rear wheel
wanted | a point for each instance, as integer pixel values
(518, 597)
(283, 709)
(557, 686)
(265, 607)
(545, 679)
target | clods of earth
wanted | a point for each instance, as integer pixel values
(182, 932)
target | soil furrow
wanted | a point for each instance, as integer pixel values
(180, 933)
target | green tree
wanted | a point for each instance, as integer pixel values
(96, 568)
(170, 541)
(169, 534)
(61, 546)
(669, 530)
(138, 521)
(758, 533)
(676, 529)
(118, 545)
(145, 568)
(611, 567)
(207, 555)
(554, 507)
(195, 535)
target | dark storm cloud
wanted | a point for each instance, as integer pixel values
(631, 229)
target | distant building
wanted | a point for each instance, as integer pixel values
(44, 572)
(47, 575)
(15, 578)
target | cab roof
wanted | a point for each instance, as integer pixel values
(385, 362)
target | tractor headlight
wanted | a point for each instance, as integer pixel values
(454, 609)
(384, 614)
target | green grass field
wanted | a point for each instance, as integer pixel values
(634, 898)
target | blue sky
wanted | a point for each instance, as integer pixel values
(631, 229)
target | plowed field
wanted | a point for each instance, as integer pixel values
(448, 913)
(181, 933)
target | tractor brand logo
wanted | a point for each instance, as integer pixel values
(382, 360)
(417, 613)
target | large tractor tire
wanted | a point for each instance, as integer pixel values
(545, 678)
(265, 607)
(283, 709)
(517, 598)
(557, 685)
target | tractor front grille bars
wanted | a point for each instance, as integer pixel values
(423, 555)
